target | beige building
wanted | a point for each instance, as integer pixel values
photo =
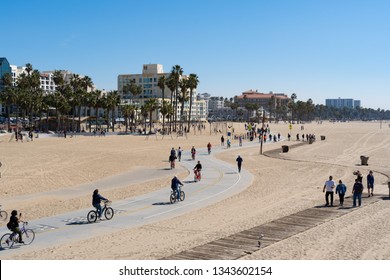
(148, 80)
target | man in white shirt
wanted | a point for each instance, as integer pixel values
(329, 187)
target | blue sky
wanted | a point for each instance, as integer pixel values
(316, 49)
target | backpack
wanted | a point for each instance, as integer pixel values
(9, 225)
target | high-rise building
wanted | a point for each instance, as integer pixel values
(4, 68)
(342, 103)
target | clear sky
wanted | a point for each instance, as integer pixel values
(315, 48)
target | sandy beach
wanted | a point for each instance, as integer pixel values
(280, 187)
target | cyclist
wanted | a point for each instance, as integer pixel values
(193, 152)
(197, 169)
(209, 147)
(175, 186)
(96, 200)
(13, 224)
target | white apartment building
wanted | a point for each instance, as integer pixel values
(148, 80)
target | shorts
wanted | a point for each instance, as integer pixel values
(370, 186)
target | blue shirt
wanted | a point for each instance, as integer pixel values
(370, 180)
(341, 189)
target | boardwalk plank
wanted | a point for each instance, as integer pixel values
(246, 241)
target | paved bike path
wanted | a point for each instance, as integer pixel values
(219, 181)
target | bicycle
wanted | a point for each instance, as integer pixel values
(3, 215)
(9, 239)
(107, 211)
(197, 175)
(173, 197)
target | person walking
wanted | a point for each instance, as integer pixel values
(179, 151)
(329, 186)
(222, 141)
(239, 163)
(357, 191)
(370, 183)
(341, 189)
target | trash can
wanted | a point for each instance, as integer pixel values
(285, 149)
(364, 160)
(322, 137)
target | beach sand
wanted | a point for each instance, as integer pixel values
(280, 187)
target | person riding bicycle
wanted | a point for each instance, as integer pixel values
(175, 186)
(96, 200)
(209, 147)
(13, 224)
(193, 152)
(197, 169)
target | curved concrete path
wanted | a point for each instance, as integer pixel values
(219, 181)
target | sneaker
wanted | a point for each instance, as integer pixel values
(7, 241)
(21, 242)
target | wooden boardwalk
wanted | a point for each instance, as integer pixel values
(251, 240)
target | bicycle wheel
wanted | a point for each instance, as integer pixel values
(182, 195)
(109, 213)
(3, 216)
(3, 241)
(92, 216)
(172, 198)
(28, 236)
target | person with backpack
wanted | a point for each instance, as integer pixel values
(13, 224)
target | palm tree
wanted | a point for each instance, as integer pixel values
(176, 72)
(85, 83)
(193, 82)
(292, 104)
(75, 96)
(97, 102)
(162, 84)
(128, 111)
(144, 113)
(7, 95)
(172, 86)
(113, 101)
(151, 106)
(183, 97)
(135, 89)
(165, 109)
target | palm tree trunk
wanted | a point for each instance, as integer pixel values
(79, 124)
(9, 121)
(189, 113)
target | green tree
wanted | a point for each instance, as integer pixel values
(193, 82)
(151, 105)
(183, 98)
(176, 73)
